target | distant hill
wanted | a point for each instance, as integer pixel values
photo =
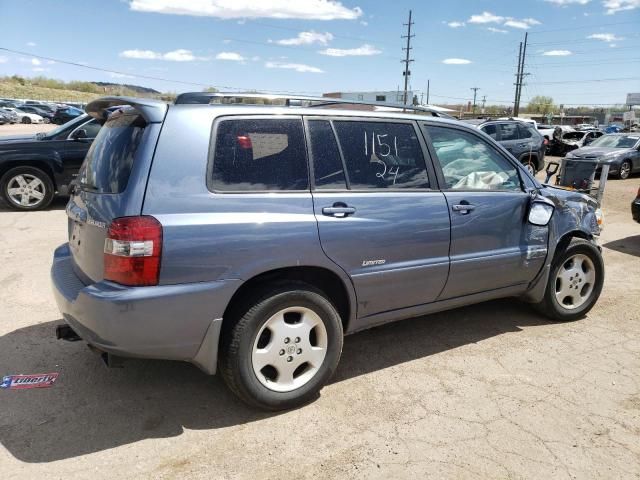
(135, 88)
(42, 88)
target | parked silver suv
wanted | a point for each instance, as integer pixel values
(252, 238)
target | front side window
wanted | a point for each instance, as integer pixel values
(490, 130)
(259, 155)
(381, 155)
(469, 163)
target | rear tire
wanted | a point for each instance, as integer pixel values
(272, 357)
(575, 282)
(29, 183)
(26, 120)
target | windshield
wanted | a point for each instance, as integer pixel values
(616, 141)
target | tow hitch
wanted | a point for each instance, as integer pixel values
(65, 332)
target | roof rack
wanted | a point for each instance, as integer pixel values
(204, 98)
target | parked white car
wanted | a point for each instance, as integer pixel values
(25, 117)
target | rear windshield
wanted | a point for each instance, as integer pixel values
(108, 163)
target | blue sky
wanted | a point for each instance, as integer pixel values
(314, 46)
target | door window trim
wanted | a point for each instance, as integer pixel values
(426, 155)
(266, 116)
(436, 161)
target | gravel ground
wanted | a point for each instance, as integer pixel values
(488, 391)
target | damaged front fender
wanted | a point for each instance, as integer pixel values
(574, 217)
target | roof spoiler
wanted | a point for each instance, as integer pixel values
(153, 111)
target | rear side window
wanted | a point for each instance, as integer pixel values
(108, 163)
(526, 132)
(327, 164)
(508, 131)
(259, 155)
(381, 155)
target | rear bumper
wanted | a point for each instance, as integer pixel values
(173, 322)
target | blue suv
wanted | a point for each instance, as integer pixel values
(250, 239)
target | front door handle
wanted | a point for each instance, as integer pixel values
(339, 210)
(462, 208)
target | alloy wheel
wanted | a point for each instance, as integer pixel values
(26, 190)
(575, 281)
(289, 349)
(625, 170)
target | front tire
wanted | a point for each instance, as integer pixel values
(575, 282)
(625, 170)
(282, 350)
(26, 188)
(26, 120)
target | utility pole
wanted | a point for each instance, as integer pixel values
(475, 91)
(428, 81)
(520, 75)
(517, 84)
(407, 60)
(484, 101)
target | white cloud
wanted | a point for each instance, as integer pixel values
(232, 56)
(564, 3)
(363, 51)
(455, 24)
(488, 17)
(298, 67)
(179, 55)
(31, 44)
(3, 59)
(614, 6)
(605, 37)
(485, 17)
(524, 23)
(35, 61)
(456, 61)
(557, 53)
(300, 9)
(307, 38)
(497, 30)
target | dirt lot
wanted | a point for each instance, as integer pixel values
(490, 391)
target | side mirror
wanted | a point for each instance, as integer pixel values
(540, 211)
(79, 134)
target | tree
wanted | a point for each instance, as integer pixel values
(541, 104)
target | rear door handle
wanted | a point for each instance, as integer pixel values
(462, 208)
(338, 211)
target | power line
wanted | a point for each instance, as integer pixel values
(136, 75)
(583, 27)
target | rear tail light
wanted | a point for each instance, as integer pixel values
(132, 251)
